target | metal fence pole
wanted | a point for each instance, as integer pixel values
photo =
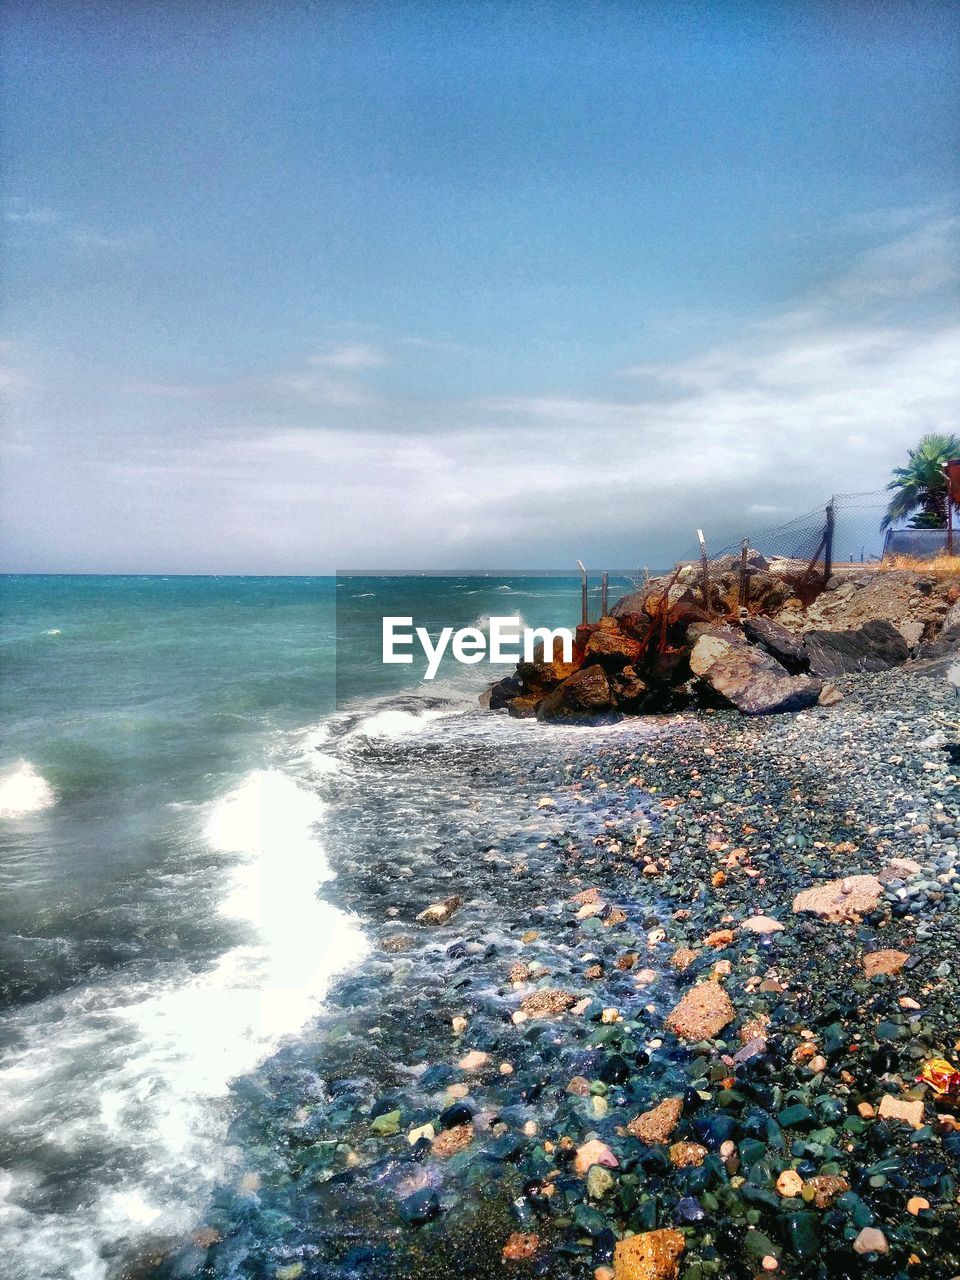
(828, 544)
(584, 603)
(604, 591)
(704, 570)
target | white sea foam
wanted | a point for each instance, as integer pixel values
(23, 791)
(394, 723)
(140, 1071)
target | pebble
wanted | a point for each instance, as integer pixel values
(870, 1240)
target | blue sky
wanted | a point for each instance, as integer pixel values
(293, 286)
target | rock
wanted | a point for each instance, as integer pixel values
(951, 623)
(440, 912)
(544, 672)
(521, 1246)
(789, 1184)
(594, 1152)
(780, 643)
(544, 1004)
(426, 1131)
(702, 1013)
(747, 678)
(876, 646)
(887, 962)
(899, 869)
(502, 693)
(629, 691)
(687, 1155)
(826, 1187)
(761, 925)
(912, 631)
(582, 698)
(423, 1206)
(682, 958)
(657, 1124)
(386, 1124)
(612, 649)
(840, 900)
(917, 1204)
(524, 708)
(830, 695)
(907, 1110)
(769, 591)
(474, 1060)
(652, 1255)
(711, 644)
(579, 1086)
(599, 1181)
(719, 939)
(450, 1141)
(870, 1240)
(398, 942)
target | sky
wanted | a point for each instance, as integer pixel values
(292, 287)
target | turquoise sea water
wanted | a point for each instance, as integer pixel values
(169, 748)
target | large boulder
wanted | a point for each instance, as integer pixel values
(546, 670)
(583, 698)
(611, 648)
(876, 646)
(951, 623)
(501, 694)
(629, 691)
(780, 643)
(746, 677)
(630, 604)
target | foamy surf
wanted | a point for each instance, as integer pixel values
(139, 1072)
(23, 791)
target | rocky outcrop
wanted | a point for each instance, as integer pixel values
(876, 646)
(663, 648)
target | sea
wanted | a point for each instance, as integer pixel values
(173, 752)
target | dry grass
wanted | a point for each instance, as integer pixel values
(942, 566)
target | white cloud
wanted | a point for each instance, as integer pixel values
(309, 469)
(352, 355)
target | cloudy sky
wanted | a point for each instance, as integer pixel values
(289, 287)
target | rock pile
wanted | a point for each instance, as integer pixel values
(661, 649)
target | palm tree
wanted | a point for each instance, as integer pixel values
(921, 485)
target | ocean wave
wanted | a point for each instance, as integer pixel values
(23, 791)
(136, 1071)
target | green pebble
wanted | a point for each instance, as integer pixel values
(386, 1125)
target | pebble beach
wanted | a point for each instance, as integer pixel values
(604, 1028)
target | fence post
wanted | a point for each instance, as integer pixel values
(584, 605)
(604, 592)
(828, 544)
(743, 596)
(704, 570)
(949, 524)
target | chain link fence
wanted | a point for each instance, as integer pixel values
(844, 530)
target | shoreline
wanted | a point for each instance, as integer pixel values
(397, 1130)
